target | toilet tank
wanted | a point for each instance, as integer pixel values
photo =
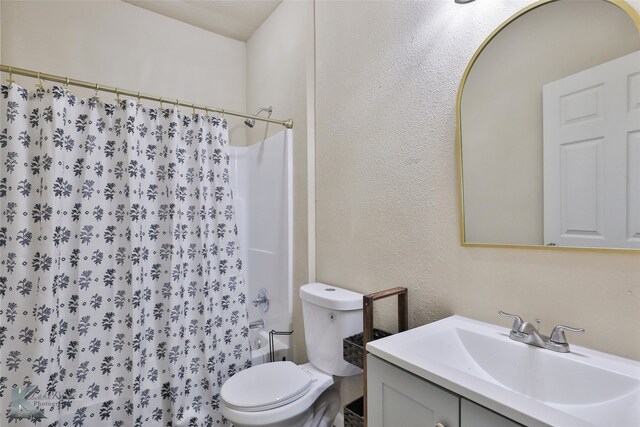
(330, 314)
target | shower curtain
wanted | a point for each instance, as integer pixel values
(122, 298)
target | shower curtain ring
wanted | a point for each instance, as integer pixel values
(177, 104)
(66, 83)
(10, 79)
(206, 112)
(39, 85)
(161, 106)
(118, 95)
(193, 109)
(222, 113)
(97, 90)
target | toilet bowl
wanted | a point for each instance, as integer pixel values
(284, 394)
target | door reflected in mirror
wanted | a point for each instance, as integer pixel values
(560, 169)
(591, 137)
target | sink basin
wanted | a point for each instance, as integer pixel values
(528, 384)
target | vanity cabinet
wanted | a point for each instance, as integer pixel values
(399, 398)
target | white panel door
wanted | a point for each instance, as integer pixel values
(592, 156)
(632, 125)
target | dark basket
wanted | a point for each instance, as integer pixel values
(353, 349)
(353, 413)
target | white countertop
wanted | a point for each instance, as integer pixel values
(529, 385)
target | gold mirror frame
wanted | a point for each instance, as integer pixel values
(635, 18)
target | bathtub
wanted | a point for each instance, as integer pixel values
(259, 339)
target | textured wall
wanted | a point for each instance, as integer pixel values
(118, 44)
(387, 191)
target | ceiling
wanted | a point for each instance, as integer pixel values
(237, 19)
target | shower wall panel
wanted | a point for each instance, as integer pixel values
(263, 201)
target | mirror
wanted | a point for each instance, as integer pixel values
(536, 173)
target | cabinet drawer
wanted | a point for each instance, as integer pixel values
(472, 414)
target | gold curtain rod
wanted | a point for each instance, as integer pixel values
(98, 87)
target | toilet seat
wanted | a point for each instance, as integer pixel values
(266, 386)
(320, 381)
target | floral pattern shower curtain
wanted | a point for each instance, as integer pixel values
(122, 295)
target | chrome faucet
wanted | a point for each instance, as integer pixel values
(262, 301)
(527, 333)
(257, 324)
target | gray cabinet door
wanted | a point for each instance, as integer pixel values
(398, 398)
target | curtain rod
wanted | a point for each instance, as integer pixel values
(102, 88)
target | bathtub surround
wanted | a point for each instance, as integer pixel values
(123, 294)
(261, 181)
(280, 72)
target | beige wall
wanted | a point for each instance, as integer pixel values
(387, 191)
(118, 44)
(502, 111)
(278, 64)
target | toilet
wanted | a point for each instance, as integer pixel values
(284, 394)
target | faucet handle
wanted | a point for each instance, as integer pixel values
(517, 321)
(557, 335)
(262, 301)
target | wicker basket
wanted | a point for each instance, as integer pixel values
(354, 352)
(353, 413)
(353, 349)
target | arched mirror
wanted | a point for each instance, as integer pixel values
(549, 129)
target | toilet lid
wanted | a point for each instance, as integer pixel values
(265, 386)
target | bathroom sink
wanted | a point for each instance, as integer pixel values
(531, 385)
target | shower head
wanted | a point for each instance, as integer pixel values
(252, 122)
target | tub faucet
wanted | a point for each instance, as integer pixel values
(257, 324)
(526, 333)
